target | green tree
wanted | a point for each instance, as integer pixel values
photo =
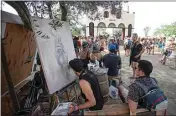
(146, 30)
(166, 30)
(76, 31)
(67, 10)
(84, 29)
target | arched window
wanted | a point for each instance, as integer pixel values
(91, 29)
(101, 28)
(129, 30)
(111, 25)
(101, 25)
(106, 14)
(121, 25)
(118, 14)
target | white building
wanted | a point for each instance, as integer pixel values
(111, 24)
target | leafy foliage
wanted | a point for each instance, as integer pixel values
(78, 30)
(75, 9)
(70, 11)
(40, 9)
(90, 8)
(166, 30)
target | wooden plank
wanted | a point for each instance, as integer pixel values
(19, 46)
(114, 109)
(6, 106)
(120, 105)
(141, 110)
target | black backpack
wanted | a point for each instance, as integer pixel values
(154, 95)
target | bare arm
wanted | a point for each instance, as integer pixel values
(120, 63)
(142, 51)
(133, 107)
(86, 89)
(172, 46)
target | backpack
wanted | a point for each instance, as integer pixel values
(129, 43)
(153, 95)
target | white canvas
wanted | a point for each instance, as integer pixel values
(56, 50)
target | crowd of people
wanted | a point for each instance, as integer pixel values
(143, 92)
(163, 45)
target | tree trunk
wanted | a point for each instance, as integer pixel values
(63, 10)
(48, 3)
(22, 11)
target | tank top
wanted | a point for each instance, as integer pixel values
(93, 81)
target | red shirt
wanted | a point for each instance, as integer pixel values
(79, 43)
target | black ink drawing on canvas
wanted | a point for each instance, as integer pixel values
(56, 48)
(62, 57)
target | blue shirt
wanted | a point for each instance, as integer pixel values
(117, 46)
(113, 63)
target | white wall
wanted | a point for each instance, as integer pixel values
(127, 18)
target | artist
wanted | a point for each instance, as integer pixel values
(90, 88)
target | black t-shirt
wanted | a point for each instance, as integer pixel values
(93, 81)
(136, 49)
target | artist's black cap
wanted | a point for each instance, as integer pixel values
(76, 64)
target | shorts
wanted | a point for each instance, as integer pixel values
(77, 50)
(132, 59)
(135, 59)
(127, 47)
(167, 53)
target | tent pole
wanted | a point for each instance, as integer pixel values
(11, 89)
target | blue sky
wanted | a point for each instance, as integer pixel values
(151, 14)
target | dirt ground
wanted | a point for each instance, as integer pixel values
(165, 76)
